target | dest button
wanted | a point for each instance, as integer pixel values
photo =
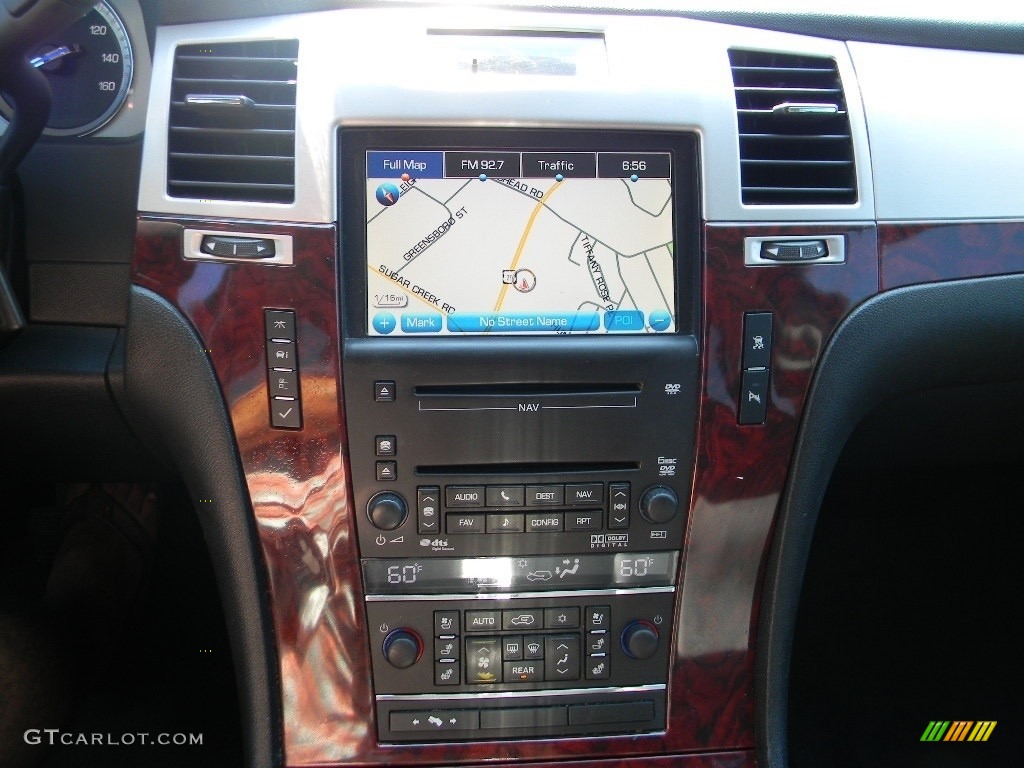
(544, 495)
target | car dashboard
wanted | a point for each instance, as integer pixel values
(506, 351)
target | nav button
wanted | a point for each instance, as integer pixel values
(584, 493)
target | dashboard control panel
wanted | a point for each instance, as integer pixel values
(520, 504)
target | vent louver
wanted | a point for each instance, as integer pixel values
(232, 122)
(795, 143)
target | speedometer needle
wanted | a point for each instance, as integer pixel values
(57, 53)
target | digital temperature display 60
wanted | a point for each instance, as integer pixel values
(518, 574)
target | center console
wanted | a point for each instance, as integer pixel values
(520, 385)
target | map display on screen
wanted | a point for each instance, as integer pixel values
(512, 242)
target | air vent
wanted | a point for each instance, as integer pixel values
(795, 144)
(232, 122)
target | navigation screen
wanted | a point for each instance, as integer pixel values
(509, 241)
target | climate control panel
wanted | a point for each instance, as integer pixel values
(430, 653)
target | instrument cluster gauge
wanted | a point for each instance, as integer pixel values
(89, 67)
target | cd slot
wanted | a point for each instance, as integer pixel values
(527, 468)
(526, 398)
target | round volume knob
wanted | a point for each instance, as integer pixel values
(387, 510)
(659, 504)
(640, 640)
(402, 648)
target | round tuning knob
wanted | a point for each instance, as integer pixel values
(640, 640)
(387, 510)
(659, 504)
(402, 648)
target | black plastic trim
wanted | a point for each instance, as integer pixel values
(172, 395)
(58, 419)
(916, 338)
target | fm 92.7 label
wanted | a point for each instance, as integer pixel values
(503, 165)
